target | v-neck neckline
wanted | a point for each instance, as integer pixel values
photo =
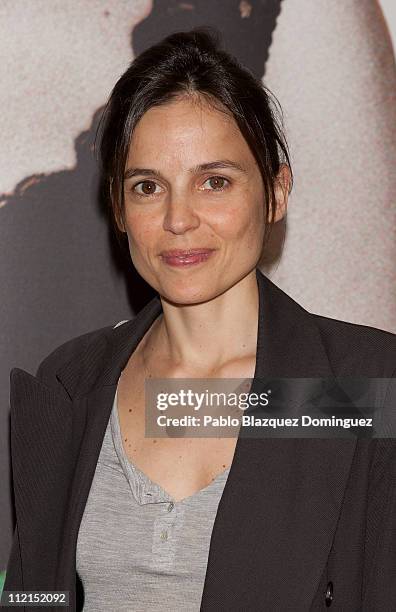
(140, 478)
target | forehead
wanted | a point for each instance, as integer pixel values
(187, 128)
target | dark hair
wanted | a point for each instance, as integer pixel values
(191, 63)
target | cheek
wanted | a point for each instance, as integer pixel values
(141, 229)
(244, 222)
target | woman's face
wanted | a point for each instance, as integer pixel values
(175, 200)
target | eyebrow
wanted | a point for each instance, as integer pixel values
(214, 165)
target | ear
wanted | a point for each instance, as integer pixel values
(282, 189)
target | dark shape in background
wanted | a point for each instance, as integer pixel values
(246, 27)
(61, 271)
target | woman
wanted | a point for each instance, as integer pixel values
(198, 170)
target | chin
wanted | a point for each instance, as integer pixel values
(188, 295)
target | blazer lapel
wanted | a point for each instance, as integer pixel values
(93, 397)
(278, 512)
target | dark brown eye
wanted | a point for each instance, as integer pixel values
(147, 187)
(216, 183)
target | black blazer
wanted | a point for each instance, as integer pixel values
(302, 523)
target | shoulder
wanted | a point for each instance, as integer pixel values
(358, 349)
(70, 349)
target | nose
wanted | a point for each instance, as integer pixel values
(180, 215)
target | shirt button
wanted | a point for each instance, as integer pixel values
(171, 505)
(164, 535)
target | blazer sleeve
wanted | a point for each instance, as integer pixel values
(14, 578)
(379, 589)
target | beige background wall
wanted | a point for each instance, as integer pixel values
(338, 89)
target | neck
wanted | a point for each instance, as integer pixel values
(207, 336)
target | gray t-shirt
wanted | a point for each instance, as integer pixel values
(138, 550)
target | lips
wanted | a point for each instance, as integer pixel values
(185, 253)
(182, 258)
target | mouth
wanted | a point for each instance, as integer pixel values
(185, 252)
(181, 258)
